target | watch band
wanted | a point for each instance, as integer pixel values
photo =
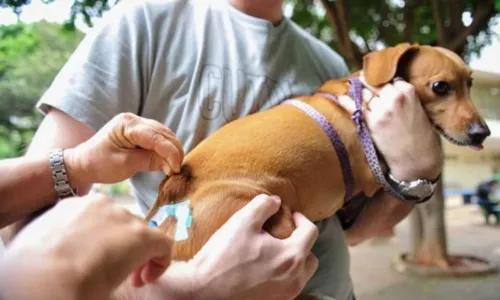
(61, 181)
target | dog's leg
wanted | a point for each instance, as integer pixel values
(211, 212)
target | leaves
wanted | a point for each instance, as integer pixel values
(371, 24)
(30, 57)
(16, 5)
(376, 24)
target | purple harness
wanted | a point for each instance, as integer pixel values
(355, 92)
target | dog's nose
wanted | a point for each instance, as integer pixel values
(478, 132)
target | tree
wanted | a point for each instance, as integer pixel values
(30, 57)
(354, 28)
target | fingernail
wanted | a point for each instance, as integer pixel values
(166, 170)
(276, 198)
(175, 164)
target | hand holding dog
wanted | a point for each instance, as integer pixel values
(401, 130)
(242, 261)
(126, 145)
(82, 249)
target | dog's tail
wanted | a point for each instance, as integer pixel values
(172, 189)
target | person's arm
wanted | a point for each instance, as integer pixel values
(109, 156)
(28, 185)
(106, 75)
(410, 147)
(380, 215)
(46, 260)
(240, 261)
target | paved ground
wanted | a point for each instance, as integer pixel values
(375, 280)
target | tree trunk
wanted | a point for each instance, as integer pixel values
(338, 18)
(454, 35)
(450, 31)
(428, 231)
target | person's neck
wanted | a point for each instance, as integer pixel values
(270, 10)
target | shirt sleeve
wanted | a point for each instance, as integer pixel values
(108, 72)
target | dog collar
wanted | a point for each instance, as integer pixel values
(334, 139)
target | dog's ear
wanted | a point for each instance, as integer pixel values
(381, 66)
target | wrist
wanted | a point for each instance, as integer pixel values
(78, 173)
(180, 282)
(353, 238)
(415, 170)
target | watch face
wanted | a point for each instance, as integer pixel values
(418, 188)
(421, 189)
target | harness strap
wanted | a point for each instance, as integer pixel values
(334, 139)
(355, 92)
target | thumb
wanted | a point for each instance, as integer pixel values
(153, 271)
(259, 210)
(149, 272)
(154, 258)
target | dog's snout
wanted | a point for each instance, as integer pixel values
(478, 132)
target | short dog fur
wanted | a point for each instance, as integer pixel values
(282, 151)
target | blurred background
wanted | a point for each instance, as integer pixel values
(448, 248)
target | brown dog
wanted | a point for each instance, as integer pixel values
(275, 151)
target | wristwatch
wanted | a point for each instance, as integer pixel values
(61, 181)
(418, 190)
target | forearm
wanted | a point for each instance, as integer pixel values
(383, 213)
(28, 186)
(23, 275)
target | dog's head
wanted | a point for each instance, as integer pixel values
(442, 82)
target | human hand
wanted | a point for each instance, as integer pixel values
(242, 261)
(126, 145)
(403, 133)
(401, 130)
(83, 248)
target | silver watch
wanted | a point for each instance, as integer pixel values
(61, 181)
(418, 190)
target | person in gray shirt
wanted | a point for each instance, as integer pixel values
(196, 65)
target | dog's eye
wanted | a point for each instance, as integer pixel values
(441, 87)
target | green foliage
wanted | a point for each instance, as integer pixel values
(370, 24)
(375, 24)
(16, 5)
(87, 9)
(15, 41)
(30, 57)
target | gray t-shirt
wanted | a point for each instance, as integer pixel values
(196, 65)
